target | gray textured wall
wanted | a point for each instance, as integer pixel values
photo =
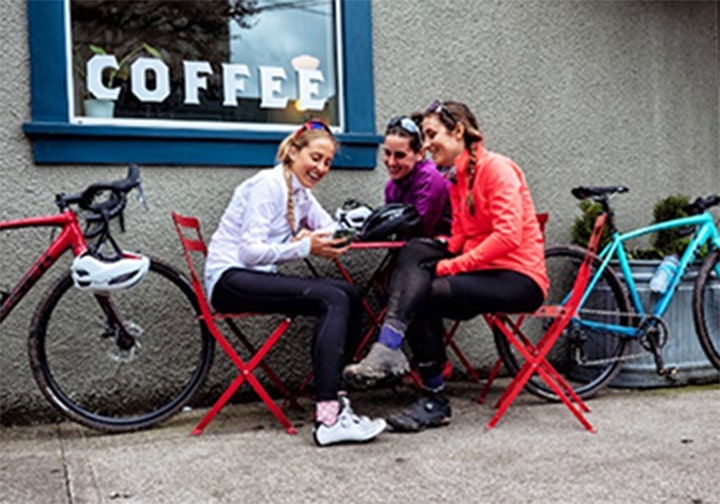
(576, 92)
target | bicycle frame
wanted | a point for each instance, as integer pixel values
(70, 237)
(706, 233)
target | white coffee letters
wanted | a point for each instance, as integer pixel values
(272, 82)
(233, 82)
(94, 70)
(138, 75)
(194, 81)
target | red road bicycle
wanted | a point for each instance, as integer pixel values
(116, 360)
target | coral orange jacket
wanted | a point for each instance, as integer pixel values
(504, 232)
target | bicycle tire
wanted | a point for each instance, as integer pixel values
(84, 375)
(609, 295)
(706, 308)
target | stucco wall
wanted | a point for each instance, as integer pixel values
(582, 92)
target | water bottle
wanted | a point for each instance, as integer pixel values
(663, 274)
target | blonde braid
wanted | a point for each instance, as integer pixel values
(470, 200)
(290, 199)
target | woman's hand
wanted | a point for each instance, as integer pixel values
(303, 233)
(322, 244)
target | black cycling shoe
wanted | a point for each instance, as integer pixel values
(428, 411)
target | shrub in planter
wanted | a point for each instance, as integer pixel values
(663, 243)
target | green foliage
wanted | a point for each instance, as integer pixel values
(123, 70)
(583, 225)
(670, 241)
(663, 243)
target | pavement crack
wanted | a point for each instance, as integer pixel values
(66, 471)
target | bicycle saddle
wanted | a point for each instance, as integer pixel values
(585, 192)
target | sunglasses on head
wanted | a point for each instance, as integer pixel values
(313, 124)
(407, 125)
(438, 108)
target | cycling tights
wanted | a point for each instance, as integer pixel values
(335, 302)
(419, 300)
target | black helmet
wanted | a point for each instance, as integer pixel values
(393, 221)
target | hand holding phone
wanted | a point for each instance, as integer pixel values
(348, 234)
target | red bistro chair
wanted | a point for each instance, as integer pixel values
(535, 354)
(188, 229)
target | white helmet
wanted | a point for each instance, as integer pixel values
(352, 214)
(101, 275)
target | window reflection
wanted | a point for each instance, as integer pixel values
(226, 63)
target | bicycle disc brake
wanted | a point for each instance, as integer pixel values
(116, 352)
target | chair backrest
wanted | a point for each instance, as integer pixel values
(542, 219)
(191, 238)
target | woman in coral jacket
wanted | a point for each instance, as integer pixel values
(494, 261)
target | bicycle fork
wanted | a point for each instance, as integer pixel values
(115, 326)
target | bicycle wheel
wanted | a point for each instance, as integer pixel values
(80, 368)
(706, 307)
(587, 359)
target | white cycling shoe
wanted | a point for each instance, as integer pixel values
(348, 428)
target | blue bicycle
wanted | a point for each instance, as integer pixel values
(595, 344)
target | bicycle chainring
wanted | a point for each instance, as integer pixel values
(653, 329)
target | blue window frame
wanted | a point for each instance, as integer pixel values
(56, 140)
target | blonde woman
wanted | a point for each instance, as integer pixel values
(274, 218)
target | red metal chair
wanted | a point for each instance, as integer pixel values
(188, 229)
(534, 354)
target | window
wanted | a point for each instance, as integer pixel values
(197, 82)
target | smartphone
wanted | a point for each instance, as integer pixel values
(348, 234)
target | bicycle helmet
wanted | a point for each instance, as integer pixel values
(388, 222)
(93, 274)
(352, 214)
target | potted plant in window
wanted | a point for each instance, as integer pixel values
(95, 107)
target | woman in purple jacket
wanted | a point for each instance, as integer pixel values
(415, 180)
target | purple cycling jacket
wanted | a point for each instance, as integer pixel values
(428, 191)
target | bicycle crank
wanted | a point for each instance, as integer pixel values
(654, 334)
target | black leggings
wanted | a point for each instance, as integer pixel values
(419, 300)
(335, 302)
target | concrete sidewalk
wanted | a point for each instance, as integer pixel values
(658, 446)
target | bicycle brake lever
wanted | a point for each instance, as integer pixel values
(141, 196)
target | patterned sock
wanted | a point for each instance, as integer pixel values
(391, 337)
(326, 412)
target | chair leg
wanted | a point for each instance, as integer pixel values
(218, 405)
(271, 404)
(535, 362)
(516, 387)
(450, 342)
(289, 397)
(494, 372)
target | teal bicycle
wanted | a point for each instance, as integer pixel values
(595, 344)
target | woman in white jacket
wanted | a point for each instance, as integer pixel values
(273, 218)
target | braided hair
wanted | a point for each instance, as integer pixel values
(450, 113)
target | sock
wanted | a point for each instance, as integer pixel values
(434, 385)
(326, 412)
(391, 337)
